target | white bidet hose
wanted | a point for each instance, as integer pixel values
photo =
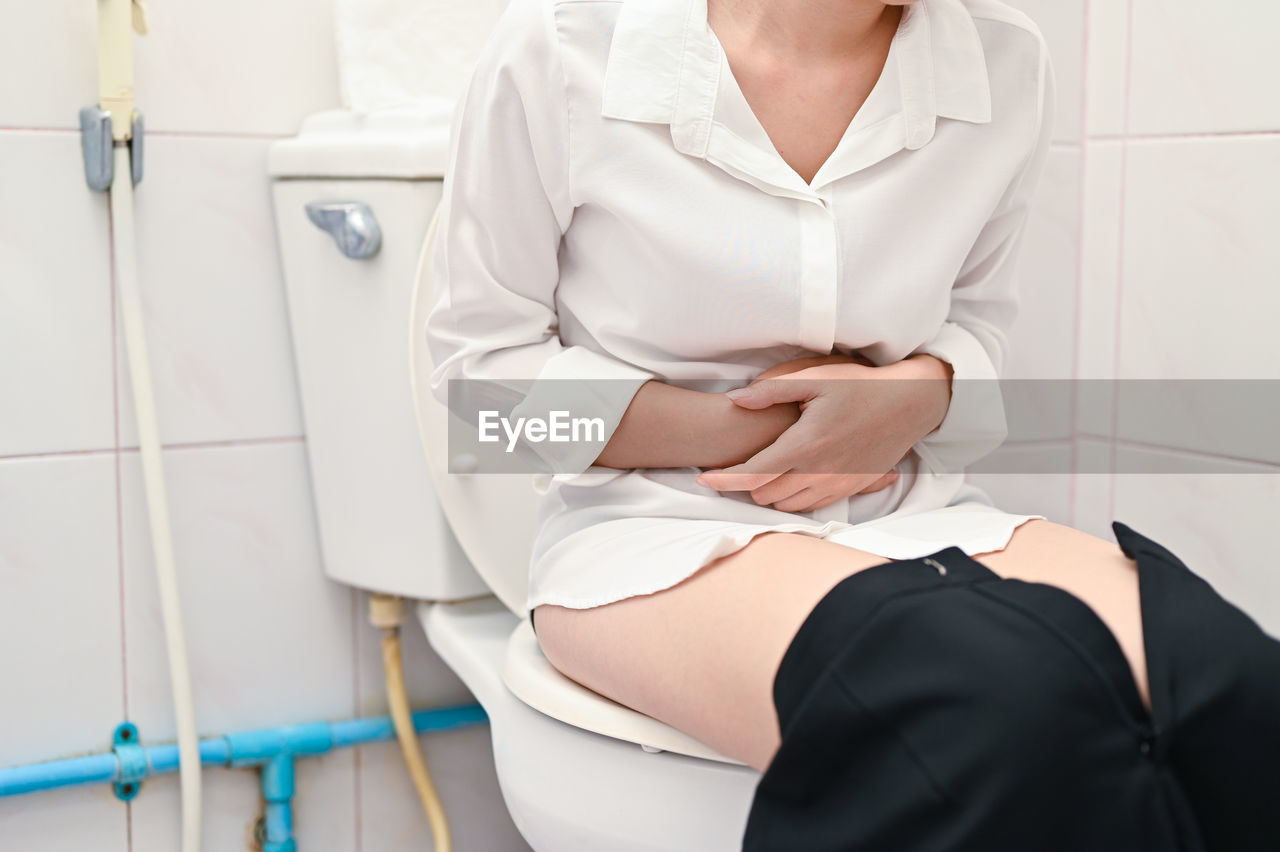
(157, 501)
(116, 18)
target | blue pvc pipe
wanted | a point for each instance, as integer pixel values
(246, 748)
(277, 792)
(59, 773)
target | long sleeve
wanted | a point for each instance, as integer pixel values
(493, 330)
(984, 303)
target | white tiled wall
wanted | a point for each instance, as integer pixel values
(1205, 68)
(1176, 135)
(1043, 341)
(209, 272)
(1150, 254)
(271, 640)
(1181, 201)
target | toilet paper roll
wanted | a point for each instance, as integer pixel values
(395, 53)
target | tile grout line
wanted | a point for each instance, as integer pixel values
(1131, 443)
(1082, 196)
(1063, 441)
(60, 453)
(192, 445)
(222, 134)
(1189, 136)
(1120, 248)
(228, 443)
(1201, 455)
(188, 134)
(115, 424)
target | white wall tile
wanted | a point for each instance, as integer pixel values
(268, 635)
(1093, 492)
(49, 60)
(236, 66)
(1107, 66)
(60, 820)
(1200, 257)
(1236, 419)
(60, 607)
(229, 67)
(1217, 524)
(55, 299)
(1062, 24)
(1043, 489)
(1042, 340)
(324, 804)
(213, 296)
(1095, 357)
(1204, 67)
(1095, 352)
(461, 762)
(271, 640)
(230, 804)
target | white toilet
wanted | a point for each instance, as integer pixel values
(354, 198)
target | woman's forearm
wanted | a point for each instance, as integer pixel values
(667, 426)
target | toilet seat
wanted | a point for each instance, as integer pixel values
(530, 676)
(575, 790)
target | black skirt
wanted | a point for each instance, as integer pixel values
(928, 704)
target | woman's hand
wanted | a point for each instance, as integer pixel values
(851, 429)
(797, 364)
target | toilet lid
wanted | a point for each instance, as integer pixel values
(493, 516)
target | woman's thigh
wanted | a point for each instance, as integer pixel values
(1093, 569)
(701, 656)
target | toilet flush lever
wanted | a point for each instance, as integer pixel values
(352, 225)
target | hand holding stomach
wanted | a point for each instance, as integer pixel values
(852, 430)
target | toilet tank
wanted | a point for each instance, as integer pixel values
(381, 525)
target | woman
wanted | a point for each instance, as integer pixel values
(821, 201)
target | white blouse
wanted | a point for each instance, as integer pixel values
(613, 210)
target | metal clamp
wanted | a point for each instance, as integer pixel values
(135, 148)
(352, 225)
(133, 761)
(96, 145)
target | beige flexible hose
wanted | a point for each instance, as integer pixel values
(386, 612)
(116, 19)
(124, 252)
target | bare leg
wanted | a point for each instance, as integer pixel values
(702, 655)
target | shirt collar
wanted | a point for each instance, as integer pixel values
(664, 64)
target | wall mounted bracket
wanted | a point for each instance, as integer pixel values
(96, 145)
(133, 761)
